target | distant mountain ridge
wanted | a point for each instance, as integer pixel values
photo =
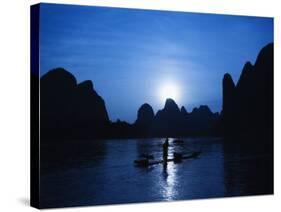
(71, 110)
(172, 121)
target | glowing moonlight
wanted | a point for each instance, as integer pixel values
(169, 90)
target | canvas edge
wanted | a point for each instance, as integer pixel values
(34, 107)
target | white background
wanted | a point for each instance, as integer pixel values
(14, 103)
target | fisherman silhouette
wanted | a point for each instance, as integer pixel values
(165, 152)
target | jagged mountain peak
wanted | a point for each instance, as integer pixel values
(202, 109)
(59, 75)
(170, 104)
(183, 110)
(87, 84)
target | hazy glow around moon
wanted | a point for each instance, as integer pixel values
(169, 90)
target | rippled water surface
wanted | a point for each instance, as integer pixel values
(109, 175)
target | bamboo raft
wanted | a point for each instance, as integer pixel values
(177, 159)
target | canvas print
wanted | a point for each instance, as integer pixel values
(132, 105)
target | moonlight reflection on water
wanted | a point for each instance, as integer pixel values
(168, 182)
(112, 178)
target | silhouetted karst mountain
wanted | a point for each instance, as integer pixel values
(245, 76)
(170, 112)
(171, 106)
(144, 120)
(121, 129)
(202, 110)
(91, 114)
(228, 97)
(61, 80)
(75, 111)
(69, 110)
(248, 106)
(183, 111)
(57, 89)
(168, 120)
(264, 68)
(203, 119)
(145, 115)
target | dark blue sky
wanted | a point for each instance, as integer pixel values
(131, 54)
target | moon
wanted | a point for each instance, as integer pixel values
(169, 90)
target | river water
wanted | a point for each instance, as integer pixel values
(109, 175)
